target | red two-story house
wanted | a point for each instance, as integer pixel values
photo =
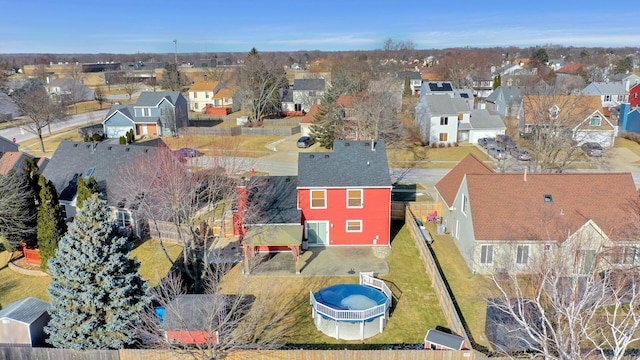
(345, 195)
(634, 96)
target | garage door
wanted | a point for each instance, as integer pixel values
(114, 132)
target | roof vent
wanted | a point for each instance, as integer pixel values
(75, 145)
(311, 156)
(146, 150)
(126, 149)
(347, 144)
(548, 198)
(287, 180)
(367, 144)
(110, 147)
(326, 156)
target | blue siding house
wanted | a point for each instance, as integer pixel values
(629, 120)
(159, 113)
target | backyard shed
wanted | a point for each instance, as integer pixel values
(22, 323)
(440, 340)
(194, 319)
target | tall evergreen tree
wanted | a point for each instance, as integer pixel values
(407, 87)
(497, 81)
(85, 190)
(51, 223)
(325, 125)
(96, 291)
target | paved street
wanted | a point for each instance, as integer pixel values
(72, 121)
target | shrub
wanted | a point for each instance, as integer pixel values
(97, 137)
(123, 140)
(86, 138)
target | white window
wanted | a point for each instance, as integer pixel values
(206, 95)
(522, 254)
(123, 218)
(195, 94)
(354, 198)
(354, 225)
(318, 199)
(595, 121)
(444, 120)
(486, 254)
(465, 204)
(146, 112)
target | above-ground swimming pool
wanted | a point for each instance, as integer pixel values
(352, 311)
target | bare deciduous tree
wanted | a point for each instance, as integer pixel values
(194, 202)
(99, 96)
(557, 124)
(376, 112)
(218, 322)
(259, 87)
(40, 110)
(130, 85)
(558, 311)
(17, 211)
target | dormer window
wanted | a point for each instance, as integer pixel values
(554, 111)
(548, 198)
(595, 120)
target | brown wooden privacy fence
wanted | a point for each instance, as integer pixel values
(240, 130)
(268, 131)
(419, 208)
(454, 319)
(25, 353)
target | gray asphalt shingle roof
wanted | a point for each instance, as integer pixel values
(445, 105)
(508, 93)
(309, 84)
(351, 164)
(482, 119)
(25, 311)
(73, 159)
(272, 200)
(194, 312)
(153, 98)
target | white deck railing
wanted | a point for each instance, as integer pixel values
(356, 315)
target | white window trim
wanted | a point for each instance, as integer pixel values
(492, 251)
(346, 226)
(311, 199)
(361, 199)
(465, 204)
(524, 261)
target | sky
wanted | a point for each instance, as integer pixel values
(142, 26)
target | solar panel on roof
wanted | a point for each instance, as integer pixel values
(464, 95)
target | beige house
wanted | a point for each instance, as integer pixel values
(511, 221)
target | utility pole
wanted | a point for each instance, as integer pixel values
(175, 44)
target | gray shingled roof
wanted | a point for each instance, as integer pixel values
(442, 338)
(445, 105)
(127, 110)
(508, 93)
(605, 88)
(25, 311)
(309, 84)
(413, 75)
(7, 145)
(482, 119)
(153, 98)
(193, 312)
(352, 163)
(73, 159)
(272, 200)
(7, 106)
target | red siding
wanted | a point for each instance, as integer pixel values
(375, 216)
(192, 337)
(634, 96)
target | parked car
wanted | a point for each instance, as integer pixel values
(487, 143)
(483, 141)
(505, 142)
(497, 152)
(188, 152)
(305, 142)
(592, 149)
(520, 154)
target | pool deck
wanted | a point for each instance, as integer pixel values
(326, 261)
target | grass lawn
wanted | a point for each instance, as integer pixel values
(415, 312)
(51, 142)
(15, 286)
(154, 264)
(409, 155)
(628, 144)
(241, 145)
(470, 291)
